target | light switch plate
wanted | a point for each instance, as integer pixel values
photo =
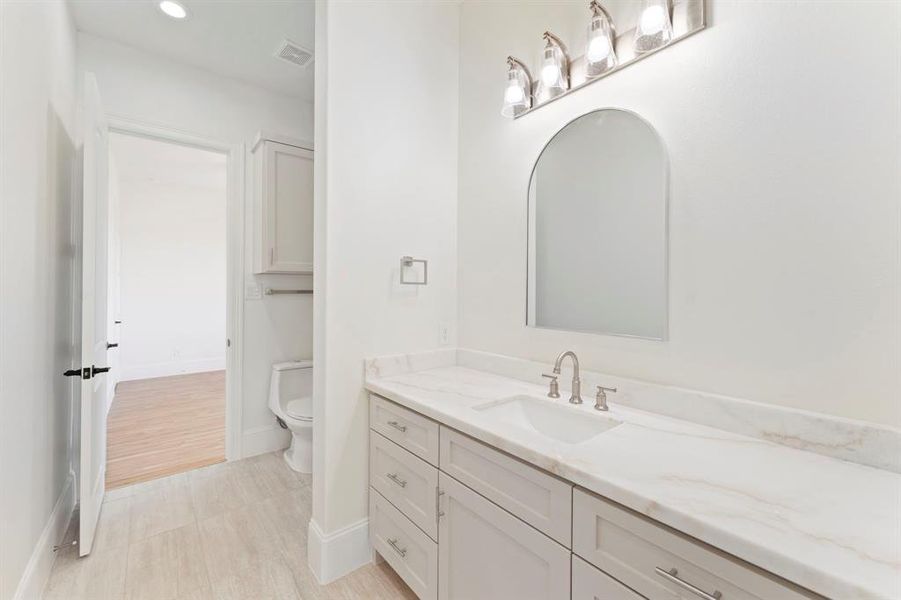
(252, 291)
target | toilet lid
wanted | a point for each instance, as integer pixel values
(300, 408)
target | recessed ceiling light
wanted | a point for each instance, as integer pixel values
(173, 9)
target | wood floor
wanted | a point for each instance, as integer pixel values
(166, 425)
(232, 531)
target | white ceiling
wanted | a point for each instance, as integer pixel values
(142, 161)
(236, 38)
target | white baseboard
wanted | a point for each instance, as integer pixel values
(166, 369)
(333, 555)
(37, 571)
(261, 440)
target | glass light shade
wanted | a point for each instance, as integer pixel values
(655, 28)
(518, 93)
(600, 54)
(173, 9)
(554, 72)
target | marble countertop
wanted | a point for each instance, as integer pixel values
(831, 526)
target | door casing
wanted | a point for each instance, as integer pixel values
(234, 311)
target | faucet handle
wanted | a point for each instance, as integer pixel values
(601, 398)
(554, 392)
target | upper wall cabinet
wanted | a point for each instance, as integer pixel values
(283, 183)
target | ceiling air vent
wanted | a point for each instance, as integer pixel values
(292, 53)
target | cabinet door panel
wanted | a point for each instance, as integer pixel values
(286, 209)
(487, 553)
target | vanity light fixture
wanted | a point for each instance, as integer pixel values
(518, 93)
(554, 78)
(655, 27)
(600, 54)
(173, 9)
(650, 26)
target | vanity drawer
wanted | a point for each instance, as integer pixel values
(410, 483)
(593, 584)
(408, 550)
(659, 562)
(541, 500)
(414, 432)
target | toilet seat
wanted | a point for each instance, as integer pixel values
(300, 408)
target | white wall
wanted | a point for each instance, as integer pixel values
(782, 135)
(172, 231)
(38, 208)
(146, 88)
(386, 186)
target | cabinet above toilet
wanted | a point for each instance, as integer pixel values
(283, 204)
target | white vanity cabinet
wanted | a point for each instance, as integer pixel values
(482, 527)
(283, 202)
(458, 519)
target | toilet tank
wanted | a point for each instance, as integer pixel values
(294, 380)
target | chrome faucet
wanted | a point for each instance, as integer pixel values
(576, 396)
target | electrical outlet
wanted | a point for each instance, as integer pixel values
(443, 334)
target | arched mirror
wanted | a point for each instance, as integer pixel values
(598, 229)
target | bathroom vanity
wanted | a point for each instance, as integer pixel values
(481, 487)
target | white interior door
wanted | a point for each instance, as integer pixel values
(95, 265)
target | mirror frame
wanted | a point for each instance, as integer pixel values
(666, 222)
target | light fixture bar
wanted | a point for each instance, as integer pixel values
(688, 17)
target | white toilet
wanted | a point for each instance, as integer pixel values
(291, 399)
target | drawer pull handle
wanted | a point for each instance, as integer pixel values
(393, 477)
(398, 549)
(672, 576)
(398, 426)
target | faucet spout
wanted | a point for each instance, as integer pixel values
(576, 395)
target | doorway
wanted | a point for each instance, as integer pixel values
(167, 298)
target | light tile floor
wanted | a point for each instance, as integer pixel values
(231, 531)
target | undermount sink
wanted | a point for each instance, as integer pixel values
(556, 421)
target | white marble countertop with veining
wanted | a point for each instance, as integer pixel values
(831, 526)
